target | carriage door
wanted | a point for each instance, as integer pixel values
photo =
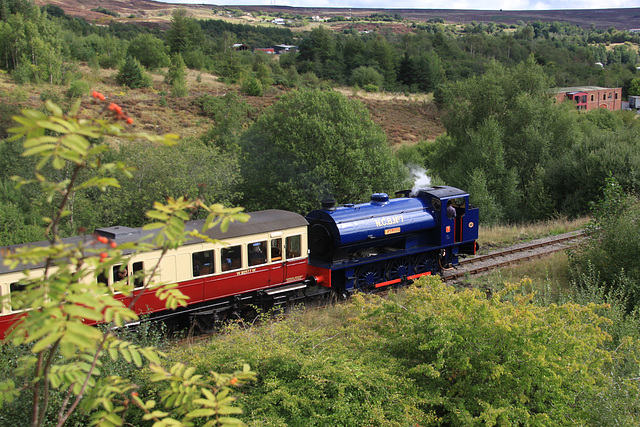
(277, 261)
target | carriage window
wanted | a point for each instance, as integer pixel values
(257, 253)
(138, 280)
(276, 250)
(202, 263)
(231, 258)
(102, 278)
(120, 273)
(293, 247)
(17, 302)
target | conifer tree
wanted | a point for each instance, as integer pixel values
(176, 76)
(132, 74)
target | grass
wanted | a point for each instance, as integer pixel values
(549, 276)
(506, 235)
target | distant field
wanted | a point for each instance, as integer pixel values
(157, 13)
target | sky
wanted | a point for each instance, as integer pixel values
(432, 4)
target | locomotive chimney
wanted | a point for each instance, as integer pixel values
(328, 204)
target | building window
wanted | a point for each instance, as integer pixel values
(610, 95)
(615, 95)
(604, 96)
(592, 98)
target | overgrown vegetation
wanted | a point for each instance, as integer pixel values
(435, 356)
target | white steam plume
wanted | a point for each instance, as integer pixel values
(422, 180)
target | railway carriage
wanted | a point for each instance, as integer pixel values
(260, 263)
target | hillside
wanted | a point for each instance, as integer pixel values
(154, 13)
(406, 120)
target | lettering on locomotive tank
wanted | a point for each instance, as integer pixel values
(389, 220)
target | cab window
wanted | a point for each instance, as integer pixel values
(293, 247)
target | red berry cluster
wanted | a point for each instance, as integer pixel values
(104, 240)
(113, 107)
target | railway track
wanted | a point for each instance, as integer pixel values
(479, 264)
(515, 254)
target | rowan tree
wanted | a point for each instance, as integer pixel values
(63, 352)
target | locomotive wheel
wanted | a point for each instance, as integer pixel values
(367, 277)
(398, 268)
(425, 262)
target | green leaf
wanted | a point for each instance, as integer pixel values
(53, 108)
(39, 149)
(202, 412)
(76, 143)
(46, 342)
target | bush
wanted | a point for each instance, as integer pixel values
(370, 88)
(251, 86)
(77, 89)
(363, 76)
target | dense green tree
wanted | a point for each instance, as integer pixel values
(251, 86)
(150, 51)
(634, 88)
(189, 169)
(312, 144)
(505, 124)
(613, 246)
(230, 115)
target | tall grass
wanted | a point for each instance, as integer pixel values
(505, 235)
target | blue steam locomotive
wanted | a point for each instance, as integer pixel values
(390, 241)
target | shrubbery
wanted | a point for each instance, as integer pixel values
(431, 355)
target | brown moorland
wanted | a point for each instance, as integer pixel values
(159, 13)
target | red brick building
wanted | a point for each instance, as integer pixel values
(591, 97)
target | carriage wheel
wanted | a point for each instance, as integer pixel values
(425, 262)
(398, 268)
(367, 277)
